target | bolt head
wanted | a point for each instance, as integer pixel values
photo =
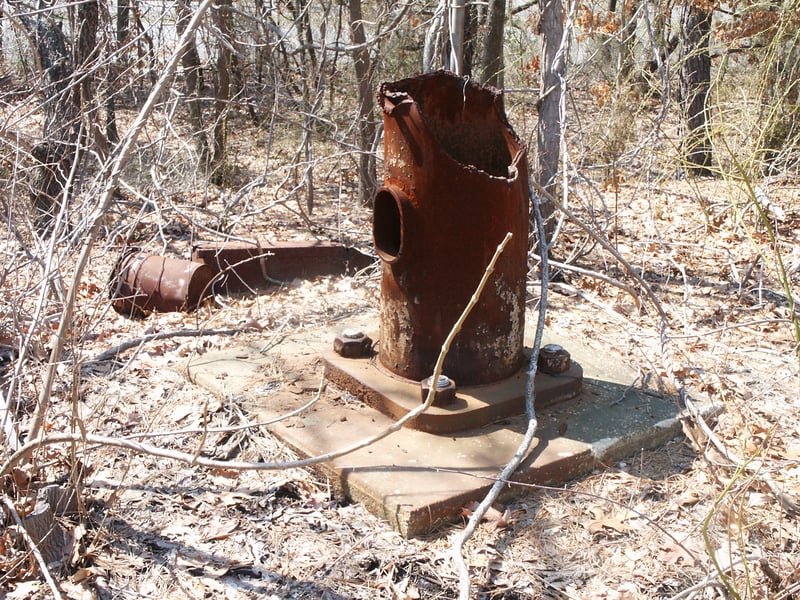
(444, 391)
(552, 348)
(553, 359)
(442, 381)
(352, 343)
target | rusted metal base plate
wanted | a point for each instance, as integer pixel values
(417, 480)
(475, 406)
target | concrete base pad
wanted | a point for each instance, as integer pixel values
(418, 480)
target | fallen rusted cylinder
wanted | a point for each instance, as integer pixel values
(142, 283)
(456, 181)
(245, 266)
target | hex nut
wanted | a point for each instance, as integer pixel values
(553, 359)
(352, 343)
(444, 394)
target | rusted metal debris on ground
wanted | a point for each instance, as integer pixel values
(247, 266)
(142, 283)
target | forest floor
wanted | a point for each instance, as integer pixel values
(679, 521)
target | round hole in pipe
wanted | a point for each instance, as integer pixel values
(387, 224)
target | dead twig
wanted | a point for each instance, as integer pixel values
(112, 353)
(573, 492)
(526, 444)
(234, 428)
(596, 275)
(111, 172)
(712, 580)
(571, 290)
(789, 504)
(604, 243)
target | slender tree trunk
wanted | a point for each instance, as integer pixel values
(695, 83)
(222, 100)
(493, 46)
(123, 24)
(145, 47)
(55, 153)
(432, 50)
(65, 97)
(471, 30)
(192, 74)
(548, 137)
(87, 62)
(305, 36)
(780, 99)
(627, 38)
(261, 10)
(456, 20)
(239, 87)
(123, 21)
(365, 124)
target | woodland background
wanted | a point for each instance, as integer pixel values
(662, 134)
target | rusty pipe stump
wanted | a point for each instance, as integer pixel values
(456, 181)
(244, 266)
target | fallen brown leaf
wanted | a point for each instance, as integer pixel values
(493, 517)
(673, 553)
(603, 521)
(689, 498)
(220, 529)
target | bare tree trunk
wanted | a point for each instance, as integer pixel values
(192, 75)
(780, 99)
(456, 20)
(365, 124)
(305, 36)
(2, 33)
(548, 137)
(63, 105)
(223, 17)
(123, 30)
(146, 55)
(694, 86)
(262, 12)
(88, 60)
(312, 78)
(123, 20)
(471, 29)
(433, 39)
(55, 153)
(493, 46)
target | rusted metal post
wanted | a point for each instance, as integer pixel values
(456, 181)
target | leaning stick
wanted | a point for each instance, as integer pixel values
(112, 172)
(526, 444)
